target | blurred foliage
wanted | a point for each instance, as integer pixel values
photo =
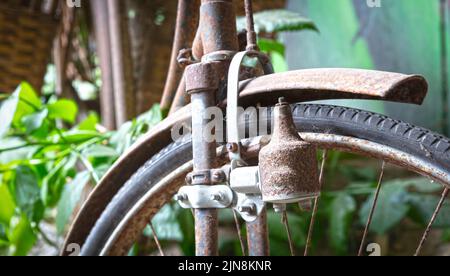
(46, 161)
(276, 21)
(268, 24)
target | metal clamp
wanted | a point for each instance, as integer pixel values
(218, 56)
(207, 177)
(245, 180)
(205, 197)
(234, 145)
(202, 77)
(243, 193)
(245, 183)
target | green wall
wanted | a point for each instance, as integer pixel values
(401, 36)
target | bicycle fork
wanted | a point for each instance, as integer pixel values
(285, 160)
(218, 34)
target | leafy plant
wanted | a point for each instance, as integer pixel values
(46, 166)
(276, 21)
(268, 24)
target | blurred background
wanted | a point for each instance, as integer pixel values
(410, 37)
(69, 63)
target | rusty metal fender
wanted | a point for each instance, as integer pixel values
(335, 83)
(296, 86)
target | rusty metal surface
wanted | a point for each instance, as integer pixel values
(202, 77)
(258, 236)
(288, 164)
(322, 84)
(206, 232)
(252, 44)
(216, 32)
(204, 155)
(185, 31)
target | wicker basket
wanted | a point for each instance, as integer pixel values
(26, 39)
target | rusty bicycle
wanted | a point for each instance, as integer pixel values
(249, 172)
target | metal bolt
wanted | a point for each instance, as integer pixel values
(248, 209)
(232, 147)
(216, 197)
(218, 176)
(181, 197)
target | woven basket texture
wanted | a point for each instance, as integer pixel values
(26, 39)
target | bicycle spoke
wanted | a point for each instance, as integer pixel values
(430, 224)
(316, 204)
(285, 221)
(155, 237)
(372, 211)
(239, 232)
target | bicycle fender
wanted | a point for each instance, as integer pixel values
(334, 83)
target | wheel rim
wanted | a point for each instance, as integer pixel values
(132, 225)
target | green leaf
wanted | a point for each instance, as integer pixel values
(78, 136)
(418, 184)
(275, 21)
(446, 236)
(28, 94)
(423, 207)
(28, 103)
(89, 123)
(7, 111)
(98, 151)
(343, 208)
(7, 205)
(70, 198)
(55, 179)
(392, 207)
(166, 224)
(27, 190)
(187, 226)
(277, 232)
(358, 174)
(66, 110)
(17, 154)
(21, 236)
(34, 121)
(3, 237)
(270, 45)
(279, 63)
(121, 139)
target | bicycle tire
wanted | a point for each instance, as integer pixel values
(326, 119)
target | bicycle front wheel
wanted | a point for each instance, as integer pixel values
(329, 127)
